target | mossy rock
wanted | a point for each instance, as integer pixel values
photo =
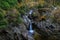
(37, 36)
(56, 15)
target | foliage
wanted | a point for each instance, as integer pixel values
(23, 9)
(6, 4)
(14, 16)
(53, 2)
(57, 2)
(3, 20)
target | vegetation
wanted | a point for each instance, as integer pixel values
(6, 4)
(12, 12)
(3, 20)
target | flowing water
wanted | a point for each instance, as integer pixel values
(31, 29)
(30, 11)
(30, 26)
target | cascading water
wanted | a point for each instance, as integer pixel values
(30, 26)
(29, 22)
(31, 31)
(30, 11)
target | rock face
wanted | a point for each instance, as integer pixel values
(42, 24)
(56, 14)
(13, 33)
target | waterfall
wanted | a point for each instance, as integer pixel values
(30, 28)
(29, 22)
(30, 25)
(30, 11)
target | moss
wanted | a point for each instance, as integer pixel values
(37, 36)
(56, 17)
